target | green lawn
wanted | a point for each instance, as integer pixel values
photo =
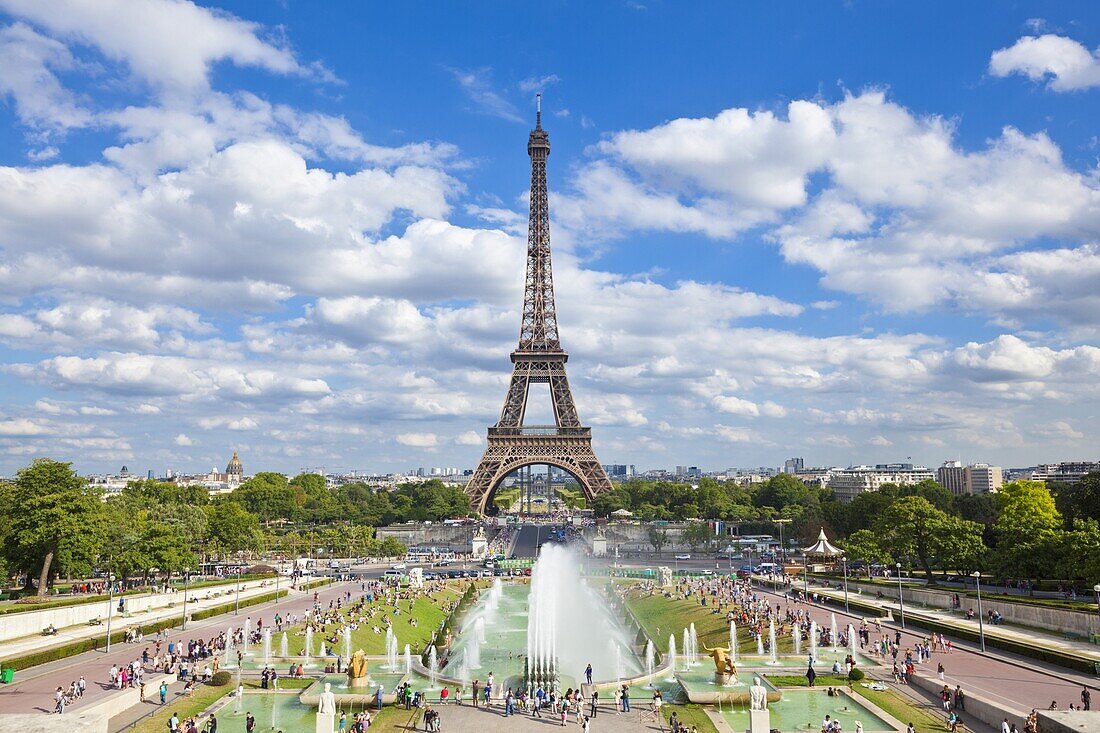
(205, 696)
(925, 717)
(428, 612)
(690, 715)
(799, 680)
(661, 616)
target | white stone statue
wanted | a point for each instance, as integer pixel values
(758, 695)
(327, 705)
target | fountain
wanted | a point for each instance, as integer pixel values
(284, 650)
(244, 639)
(347, 642)
(619, 674)
(733, 641)
(694, 656)
(433, 665)
(267, 646)
(649, 657)
(238, 704)
(772, 644)
(832, 631)
(473, 653)
(760, 644)
(391, 649)
(229, 660)
(323, 652)
(796, 632)
(813, 640)
(408, 660)
(479, 629)
(672, 655)
(308, 652)
(852, 641)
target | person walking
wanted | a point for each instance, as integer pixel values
(595, 704)
(173, 724)
(163, 691)
(1086, 698)
(476, 688)
(626, 699)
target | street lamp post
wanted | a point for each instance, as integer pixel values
(1096, 590)
(186, 576)
(237, 604)
(110, 607)
(981, 624)
(844, 560)
(901, 600)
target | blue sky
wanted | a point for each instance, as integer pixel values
(853, 232)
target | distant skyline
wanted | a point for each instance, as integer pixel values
(849, 231)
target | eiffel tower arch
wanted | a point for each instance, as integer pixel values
(539, 358)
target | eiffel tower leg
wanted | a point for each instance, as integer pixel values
(507, 453)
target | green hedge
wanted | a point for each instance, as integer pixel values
(1079, 664)
(86, 645)
(314, 583)
(854, 604)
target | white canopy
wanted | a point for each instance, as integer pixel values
(622, 513)
(822, 547)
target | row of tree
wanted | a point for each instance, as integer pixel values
(1026, 530)
(54, 525)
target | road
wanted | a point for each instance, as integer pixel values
(33, 689)
(527, 540)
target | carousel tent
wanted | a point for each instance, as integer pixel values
(822, 548)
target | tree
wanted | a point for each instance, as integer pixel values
(1079, 500)
(231, 528)
(1025, 512)
(910, 527)
(864, 545)
(658, 537)
(696, 534)
(59, 522)
(392, 547)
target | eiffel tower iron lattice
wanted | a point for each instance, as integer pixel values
(539, 358)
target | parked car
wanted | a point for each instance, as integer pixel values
(683, 557)
(398, 566)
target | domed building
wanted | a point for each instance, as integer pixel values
(234, 471)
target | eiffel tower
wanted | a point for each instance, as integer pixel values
(539, 358)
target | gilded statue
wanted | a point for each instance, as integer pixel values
(722, 663)
(357, 667)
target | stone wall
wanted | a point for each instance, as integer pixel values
(1026, 614)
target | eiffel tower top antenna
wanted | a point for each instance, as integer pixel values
(538, 111)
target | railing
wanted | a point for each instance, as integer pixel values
(540, 430)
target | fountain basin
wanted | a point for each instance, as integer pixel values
(801, 711)
(700, 687)
(354, 696)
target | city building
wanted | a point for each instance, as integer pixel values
(951, 476)
(619, 471)
(234, 468)
(848, 483)
(793, 465)
(1064, 472)
(981, 478)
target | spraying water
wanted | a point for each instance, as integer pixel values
(760, 644)
(309, 646)
(568, 623)
(284, 650)
(618, 664)
(473, 653)
(832, 630)
(649, 657)
(324, 649)
(797, 633)
(852, 640)
(391, 649)
(672, 654)
(813, 639)
(267, 646)
(347, 642)
(247, 632)
(239, 703)
(408, 659)
(479, 629)
(694, 645)
(433, 665)
(733, 641)
(771, 643)
(228, 648)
